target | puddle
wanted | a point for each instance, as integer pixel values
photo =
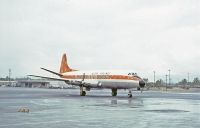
(166, 111)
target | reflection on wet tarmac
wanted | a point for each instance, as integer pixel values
(65, 108)
(114, 101)
(166, 111)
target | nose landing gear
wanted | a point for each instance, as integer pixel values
(130, 94)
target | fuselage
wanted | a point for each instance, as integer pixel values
(96, 79)
(105, 79)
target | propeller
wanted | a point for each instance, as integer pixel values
(83, 78)
(81, 85)
(82, 81)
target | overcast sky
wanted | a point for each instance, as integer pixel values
(136, 35)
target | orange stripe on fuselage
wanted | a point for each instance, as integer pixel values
(119, 77)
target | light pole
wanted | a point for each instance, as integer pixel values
(169, 76)
(9, 75)
(154, 77)
(166, 81)
(188, 78)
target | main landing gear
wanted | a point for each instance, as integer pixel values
(82, 92)
(114, 92)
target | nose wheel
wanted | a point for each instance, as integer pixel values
(130, 94)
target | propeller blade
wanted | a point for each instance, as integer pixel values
(83, 77)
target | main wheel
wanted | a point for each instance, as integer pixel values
(114, 92)
(130, 95)
(83, 93)
(138, 88)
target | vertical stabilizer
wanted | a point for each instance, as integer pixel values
(64, 66)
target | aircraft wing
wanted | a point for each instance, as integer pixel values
(72, 82)
(51, 78)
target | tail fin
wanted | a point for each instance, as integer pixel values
(64, 66)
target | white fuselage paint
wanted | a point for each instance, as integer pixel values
(105, 79)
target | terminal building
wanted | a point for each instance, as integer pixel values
(7, 83)
(33, 83)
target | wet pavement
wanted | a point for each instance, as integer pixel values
(65, 108)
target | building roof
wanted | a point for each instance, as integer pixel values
(32, 81)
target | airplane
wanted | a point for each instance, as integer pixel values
(86, 80)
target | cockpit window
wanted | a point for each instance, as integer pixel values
(132, 73)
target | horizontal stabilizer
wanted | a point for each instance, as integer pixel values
(52, 72)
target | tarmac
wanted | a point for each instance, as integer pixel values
(65, 108)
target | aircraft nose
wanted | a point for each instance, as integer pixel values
(142, 83)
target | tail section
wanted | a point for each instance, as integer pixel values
(64, 66)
